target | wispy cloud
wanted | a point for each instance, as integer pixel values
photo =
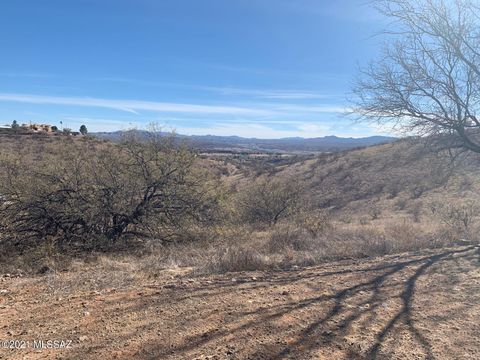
(275, 94)
(303, 109)
(139, 82)
(240, 127)
(25, 75)
(269, 72)
(261, 119)
(133, 106)
(269, 94)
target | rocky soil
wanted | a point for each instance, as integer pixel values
(409, 306)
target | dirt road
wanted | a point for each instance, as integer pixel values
(422, 306)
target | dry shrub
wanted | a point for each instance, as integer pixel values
(94, 197)
(237, 258)
(460, 217)
(288, 244)
(38, 260)
(268, 200)
(316, 221)
(235, 249)
(287, 236)
(388, 238)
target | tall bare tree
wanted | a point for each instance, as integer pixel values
(427, 80)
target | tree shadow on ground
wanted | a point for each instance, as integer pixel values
(367, 307)
(375, 303)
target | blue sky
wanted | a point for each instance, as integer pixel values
(255, 68)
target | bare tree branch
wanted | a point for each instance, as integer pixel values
(428, 80)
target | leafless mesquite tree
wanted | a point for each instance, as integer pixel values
(427, 80)
(90, 193)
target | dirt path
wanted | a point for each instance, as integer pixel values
(423, 306)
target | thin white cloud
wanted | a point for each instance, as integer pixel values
(208, 120)
(241, 127)
(230, 91)
(133, 106)
(25, 75)
(269, 94)
(289, 73)
(295, 109)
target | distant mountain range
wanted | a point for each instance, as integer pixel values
(240, 144)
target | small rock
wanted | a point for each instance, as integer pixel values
(83, 338)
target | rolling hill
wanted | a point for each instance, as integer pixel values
(240, 144)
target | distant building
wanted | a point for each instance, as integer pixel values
(45, 128)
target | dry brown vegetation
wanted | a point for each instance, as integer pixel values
(368, 202)
(337, 256)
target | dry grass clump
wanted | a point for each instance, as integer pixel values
(287, 244)
(237, 258)
(245, 248)
(232, 248)
(100, 274)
